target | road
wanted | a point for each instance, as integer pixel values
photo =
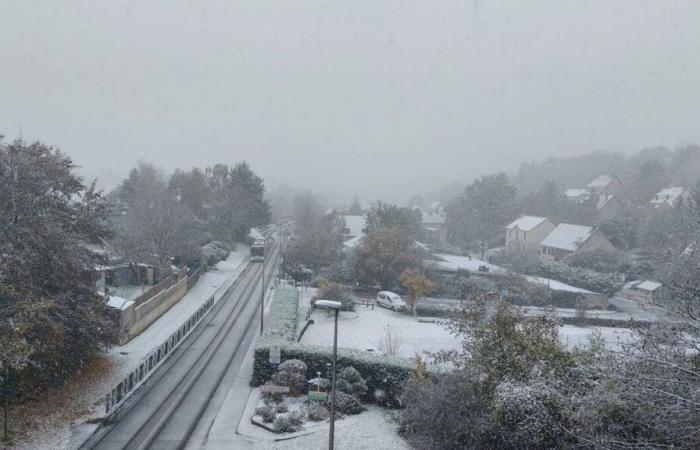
(177, 405)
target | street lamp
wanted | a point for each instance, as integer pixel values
(335, 306)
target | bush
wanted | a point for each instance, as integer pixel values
(346, 403)
(350, 381)
(267, 413)
(280, 408)
(316, 412)
(283, 424)
(295, 419)
(328, 290)
(292, 373)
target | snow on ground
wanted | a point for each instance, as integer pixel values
(572, 336)
(371, 429)
(83, 397)
(365, 328)
(589, 313)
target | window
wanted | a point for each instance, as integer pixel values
(346, 230)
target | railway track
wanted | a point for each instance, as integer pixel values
(171, 405)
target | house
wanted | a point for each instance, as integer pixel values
(527, 231)
(668, 198)
(608, 207)
(577, 195)
(353, 226)
(433, 222)
(606, 185)
(645, 292)
(567, 239)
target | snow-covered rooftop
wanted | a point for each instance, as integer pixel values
(118, 302)
(646, 285)
(574, 193)
(600, 181)
(433, 217)
(455, 262)
(355, 224)
(526, 223)
(669, 195)
(352, 243)
(568, 237)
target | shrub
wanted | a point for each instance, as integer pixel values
(267, 413)
(292, 373)
(328, 290)
(280, 408)
(346, 403)
(316, 412)
(295, 419)
(282, 424)
(350, 382)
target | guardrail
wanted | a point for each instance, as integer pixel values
(124, 388)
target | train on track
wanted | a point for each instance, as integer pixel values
(258, 250)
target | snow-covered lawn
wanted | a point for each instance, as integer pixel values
(81, 399)
(573, 336)
(371, 429)
(365, 328)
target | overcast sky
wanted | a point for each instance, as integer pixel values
(382, 99)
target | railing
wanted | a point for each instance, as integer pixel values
(125, 387)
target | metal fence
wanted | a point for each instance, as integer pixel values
(126, 386)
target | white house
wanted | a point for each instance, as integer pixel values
(577, 195)
(353, 226)
(669, 197)
(527, 231)
(606, 185)
(566, 239)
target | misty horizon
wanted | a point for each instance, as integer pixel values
(378, 100)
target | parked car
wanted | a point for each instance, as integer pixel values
(390, 300)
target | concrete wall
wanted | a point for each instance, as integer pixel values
(135, 319)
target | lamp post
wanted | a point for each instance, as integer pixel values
(262, 296)
(5, 399)
(335, 306)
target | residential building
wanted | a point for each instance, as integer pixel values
(566, 239)
(527, 231)
(606, 185)
(433, 221)
(608, 207)
(669, 197)
(577, 195)
(353, 226)
(645, 292)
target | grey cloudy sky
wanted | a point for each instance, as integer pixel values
(379, 98)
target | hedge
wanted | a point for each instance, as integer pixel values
(281, 322)
(385, 375)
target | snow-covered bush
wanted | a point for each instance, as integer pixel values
(267, 413)
(350, 381)
(283, 424)
(292, 373)
(526, 413)
(215, 251)
(346, 403)
(316, 412)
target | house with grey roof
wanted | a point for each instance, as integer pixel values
(567, 239)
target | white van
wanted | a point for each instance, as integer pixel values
(390, 300)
